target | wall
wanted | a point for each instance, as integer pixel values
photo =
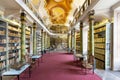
(85, 39)
(116, 41)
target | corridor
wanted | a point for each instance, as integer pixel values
(60, 66)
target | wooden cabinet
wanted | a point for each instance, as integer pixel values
(102, 39)
(78, 42)
(10, 34)
(3, 45)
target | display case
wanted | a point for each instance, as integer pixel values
(38, 36)
(13, 43)
(27, 42)
(77, 42)
(102, 39)
(48, 42)
(3, 45)
(9, 44)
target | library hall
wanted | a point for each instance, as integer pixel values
(59, 40)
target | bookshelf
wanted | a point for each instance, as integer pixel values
(3, 45)
(78, 42)
(9, 44)
(48, 42)
(27, 42)
(13, 43)
(88, 42)
(38, 36)
(102, 44)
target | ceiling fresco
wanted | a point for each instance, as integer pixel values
(58, 10)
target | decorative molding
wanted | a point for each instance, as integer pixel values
(2, 9)
(116, 6)
(116, 42)
(81, 18)
(29, 12)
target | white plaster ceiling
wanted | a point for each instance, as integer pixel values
(103, 9)
(10, 8)
(105, 4)
(9, 4)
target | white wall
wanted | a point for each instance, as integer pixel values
(85, 39)
(116, 41)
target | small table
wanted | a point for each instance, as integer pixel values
(79, 57)
(13, 72)
(36, 57)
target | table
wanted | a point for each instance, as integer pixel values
(36, 57)
(80, 58)
(13, 72)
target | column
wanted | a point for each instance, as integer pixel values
(23, 21)
(31, 40)
(81, 37)
(45, 40)
(71, 41)
(34, 39)
(89, 2)
(42, 40)
(91, 33)
(115, 42)
(74, 41)
(68, 42)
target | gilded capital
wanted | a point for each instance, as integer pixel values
(91, 15)
(23, 16)
(81, 24)
(34, 25)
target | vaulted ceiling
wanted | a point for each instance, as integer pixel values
(58, 10)
(57, 14)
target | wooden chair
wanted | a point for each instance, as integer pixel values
(89, 64)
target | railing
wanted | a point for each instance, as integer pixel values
(81, 11)
(84, 7)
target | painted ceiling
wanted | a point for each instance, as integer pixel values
(58, 10)
(57, 14)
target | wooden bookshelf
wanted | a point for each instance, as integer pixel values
(78, 42)
(102, 44)
(3, 45)
(13, 43)
(38, 43)
(27, 36)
